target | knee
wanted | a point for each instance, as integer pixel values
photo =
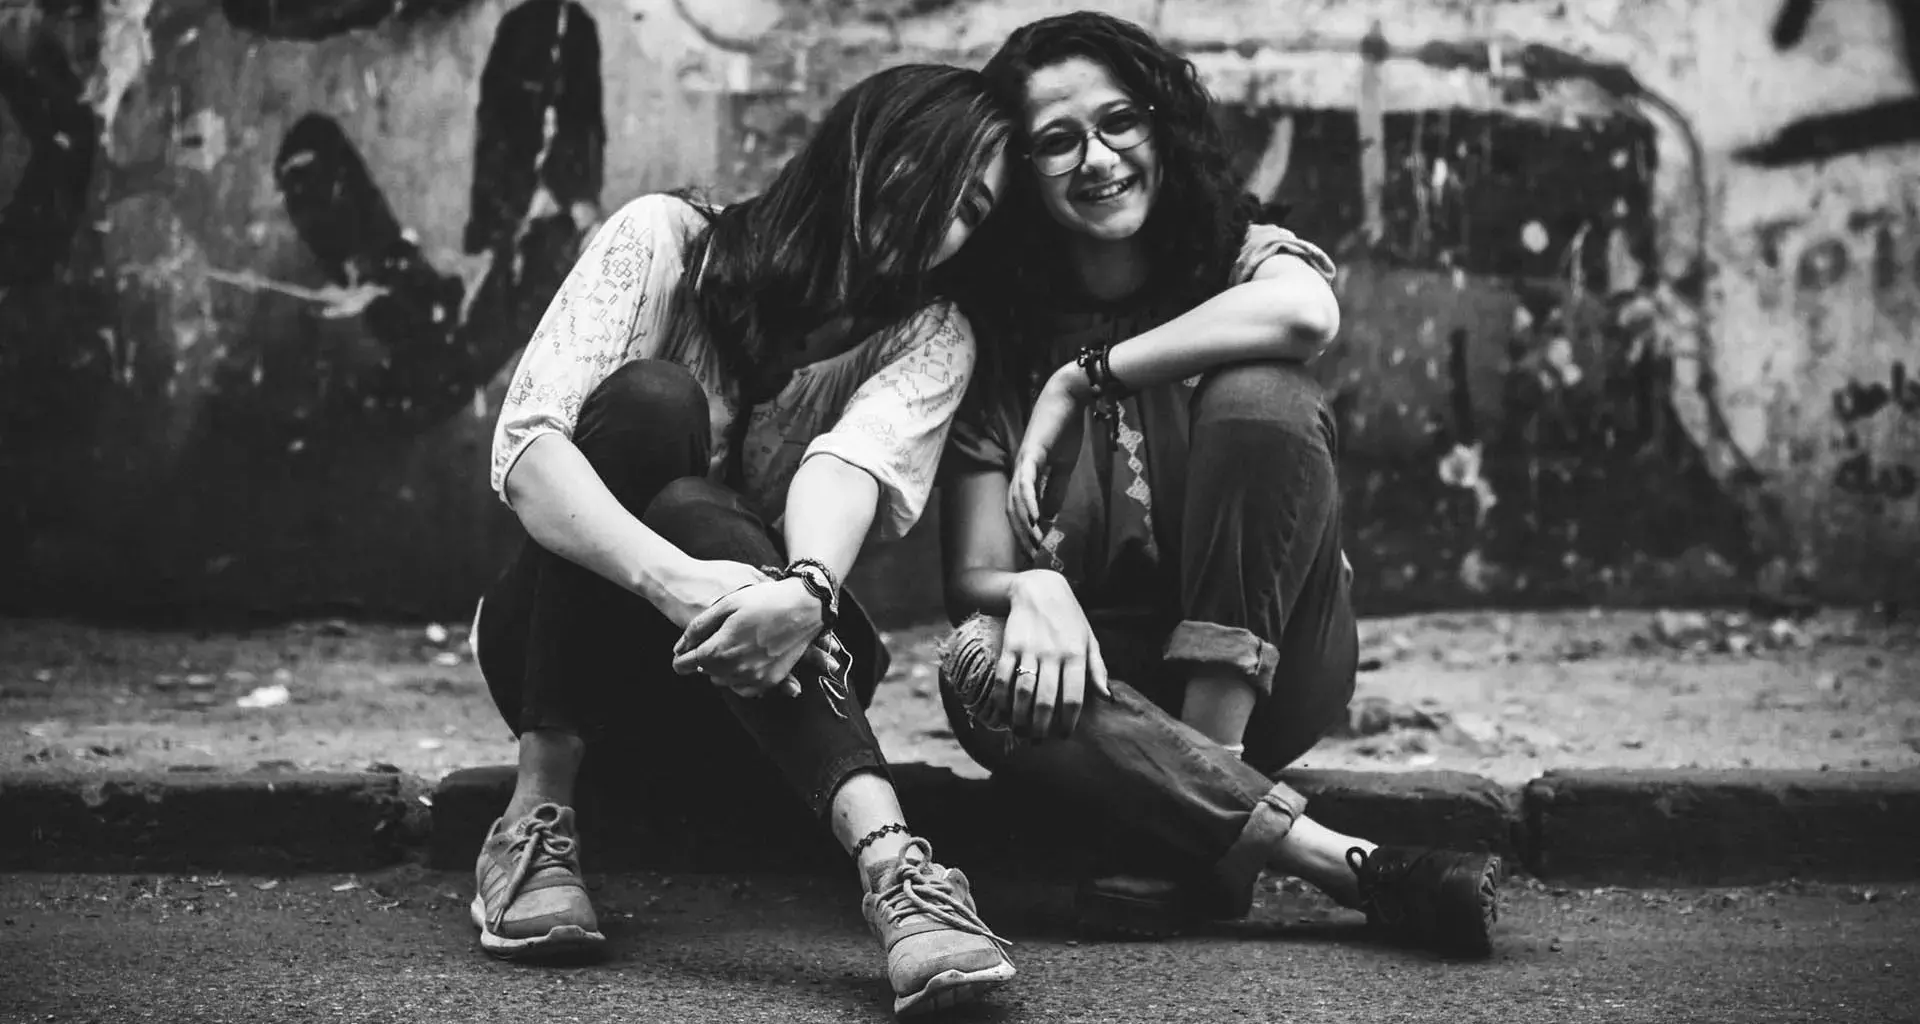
(1280, 394)
(968, 657)
(647, 395)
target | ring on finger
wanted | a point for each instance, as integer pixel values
(1024, 671)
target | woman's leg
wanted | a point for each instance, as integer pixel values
(573, 659)
(550, 642)
(1268, 635)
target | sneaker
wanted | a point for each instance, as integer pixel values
(1445, 901)
(530, 902)
(939, 952)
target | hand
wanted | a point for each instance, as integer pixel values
(750, 640)
(706, 582)
(1048, 658)
(1061, 401)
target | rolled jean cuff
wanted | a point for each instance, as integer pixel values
(1203, 646)
(839, 770)
(1267, 824)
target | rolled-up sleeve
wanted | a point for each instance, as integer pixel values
(896, 423)
(593, 326)
(1265, 241)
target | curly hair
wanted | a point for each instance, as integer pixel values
(1200, 213)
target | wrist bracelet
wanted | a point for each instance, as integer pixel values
(818, 579)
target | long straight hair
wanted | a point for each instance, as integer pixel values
(847, 227)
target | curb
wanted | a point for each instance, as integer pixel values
(1612, 827)
(1723, 827)
(183, 821)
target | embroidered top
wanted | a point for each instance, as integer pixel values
(1102, 530)
(883, 405)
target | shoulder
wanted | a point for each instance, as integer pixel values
(1266, 241)
(935, 326)
(653, 219)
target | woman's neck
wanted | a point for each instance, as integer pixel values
(1109, 271)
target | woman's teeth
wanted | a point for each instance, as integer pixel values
(1101, 193)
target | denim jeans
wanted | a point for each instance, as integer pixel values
(1264, 596)
(563, 648)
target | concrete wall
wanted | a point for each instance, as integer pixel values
(1631, 288)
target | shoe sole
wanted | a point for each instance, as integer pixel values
(562, 942)
(952, 988)
(1469, 917)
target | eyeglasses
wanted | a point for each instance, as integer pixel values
(1063, 151)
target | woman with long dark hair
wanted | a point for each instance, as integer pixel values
(718, 410)
(1142, 512)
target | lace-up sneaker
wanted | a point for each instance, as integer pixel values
(1444, 901)
(939, 952)
(531, 903)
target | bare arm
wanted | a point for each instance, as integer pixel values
(977, 545)
(567, 509)
(830, 509)
(1287, 312)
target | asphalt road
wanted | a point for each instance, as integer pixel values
(397, 947)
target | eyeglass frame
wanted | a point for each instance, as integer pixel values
(1085, 135)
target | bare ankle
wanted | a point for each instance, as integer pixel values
(1218, 706)
(549, 763)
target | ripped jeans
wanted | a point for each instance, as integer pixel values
(1264, 596)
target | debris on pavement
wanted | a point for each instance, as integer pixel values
(265, 697)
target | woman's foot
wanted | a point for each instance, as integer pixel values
(939, 952)
(1442, 900)
(530, 902)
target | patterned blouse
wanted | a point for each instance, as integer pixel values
(883, 405)
(1103, 528)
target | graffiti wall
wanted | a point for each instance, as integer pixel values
(1631, 286)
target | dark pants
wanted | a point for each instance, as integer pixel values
(1264, 597)
(562, 648)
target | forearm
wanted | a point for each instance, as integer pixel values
(1288, 319)
(830, 509)
(980, 590)
(567, 509)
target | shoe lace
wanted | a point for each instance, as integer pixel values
(538, 848)
(1377, 880)
(916, 890)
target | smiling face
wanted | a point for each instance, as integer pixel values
(976, 203)
(1107, 198)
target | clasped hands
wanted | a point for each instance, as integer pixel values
(748, 632)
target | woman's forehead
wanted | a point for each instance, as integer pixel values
(1070, 89)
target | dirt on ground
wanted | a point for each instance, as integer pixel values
(1508, 696)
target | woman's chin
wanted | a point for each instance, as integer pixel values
(1117, 226)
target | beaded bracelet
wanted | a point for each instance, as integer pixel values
(1095, 362)
(869, 838)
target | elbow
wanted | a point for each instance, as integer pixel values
(1318, 325)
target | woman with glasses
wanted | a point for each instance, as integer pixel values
(717, 412)
(1141, 513)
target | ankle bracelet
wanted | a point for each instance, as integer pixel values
(869, 839)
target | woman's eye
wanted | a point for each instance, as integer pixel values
(1057, 144)
(1121, 121)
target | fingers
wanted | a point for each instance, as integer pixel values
(820, 659)
(1097, 670)
(791, 687)
(703, 627)
(1003, 684)
(1073, 689)
(1046, 697)
(1020, 714)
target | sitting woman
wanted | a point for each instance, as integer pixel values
(718, 410)
(1142, 487)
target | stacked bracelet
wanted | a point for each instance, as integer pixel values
(819, 581)
(1094, 361)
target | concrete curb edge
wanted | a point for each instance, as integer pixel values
(1619, 827)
